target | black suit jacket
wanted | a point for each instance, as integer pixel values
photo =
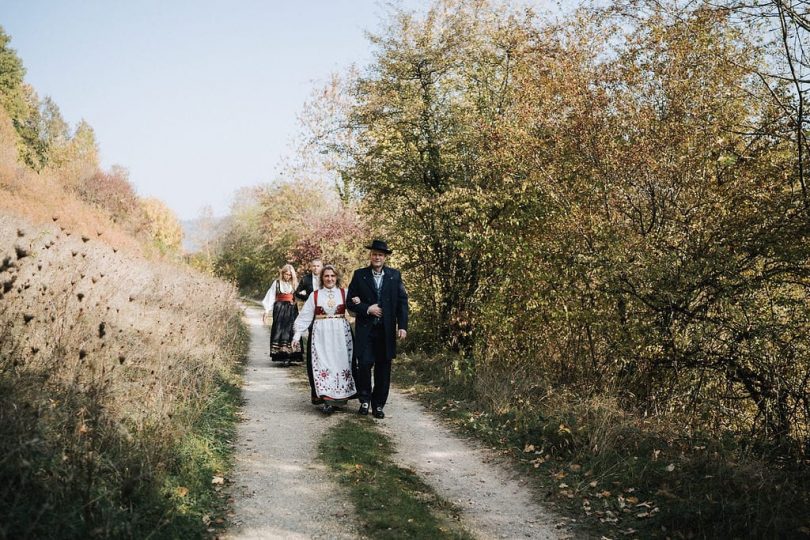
(304, 288)
(393, 301)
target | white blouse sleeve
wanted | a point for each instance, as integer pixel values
(305, 317)
(270, 298)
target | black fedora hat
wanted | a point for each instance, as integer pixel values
(380, 245)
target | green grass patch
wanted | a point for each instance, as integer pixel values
(111, 482)
(200, 506)
(391, 502)
(620, 475)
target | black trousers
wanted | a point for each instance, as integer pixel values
(374, 357)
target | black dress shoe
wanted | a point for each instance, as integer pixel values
(378, 413)
(326, 408)
(363, 409)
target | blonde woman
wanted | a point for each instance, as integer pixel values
(280, 304)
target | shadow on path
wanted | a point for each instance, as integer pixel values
(280, 489)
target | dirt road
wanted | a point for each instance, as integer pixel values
(282, 491)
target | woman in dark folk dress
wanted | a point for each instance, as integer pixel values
(280, 303)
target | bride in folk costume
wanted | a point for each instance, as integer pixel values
(330, 340)
(279, 303)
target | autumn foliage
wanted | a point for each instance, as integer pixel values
(604, 218)
(287, 222)
(610, 207)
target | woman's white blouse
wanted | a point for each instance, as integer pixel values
(270, 298)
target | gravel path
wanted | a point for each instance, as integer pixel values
(494, 501)
(280, 489)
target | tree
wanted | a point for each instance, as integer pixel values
(425, 125)
(113, 193)
(243, 254)
(12, 74)
(22, 104)
(79, 160)
(162, 226)
(54, 132)
(611, 204)
(662, 166)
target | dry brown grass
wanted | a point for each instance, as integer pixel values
(39, 198)
(109, 357)
(106, 350)
(74, 307)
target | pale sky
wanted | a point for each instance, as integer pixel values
(196, 98)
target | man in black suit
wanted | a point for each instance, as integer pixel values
(379, 302)
(309, 283)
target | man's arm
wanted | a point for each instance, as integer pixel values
(301, 290)
(402, 306)
(361, 309)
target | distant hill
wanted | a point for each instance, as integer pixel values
(201, 231)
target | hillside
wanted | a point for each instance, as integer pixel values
(118, 363)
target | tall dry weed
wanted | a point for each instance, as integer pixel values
(106, 359)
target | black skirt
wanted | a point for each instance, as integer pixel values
(281, 333)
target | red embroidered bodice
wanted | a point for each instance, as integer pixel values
(341, 309)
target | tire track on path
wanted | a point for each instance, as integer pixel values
(280, 489)
(495, 502)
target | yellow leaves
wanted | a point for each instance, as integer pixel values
(532, 449)
(181, 491)
(647, 513)
(565, 491)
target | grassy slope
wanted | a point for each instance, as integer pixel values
(207, 452)
(617, 475)
(119, 374)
